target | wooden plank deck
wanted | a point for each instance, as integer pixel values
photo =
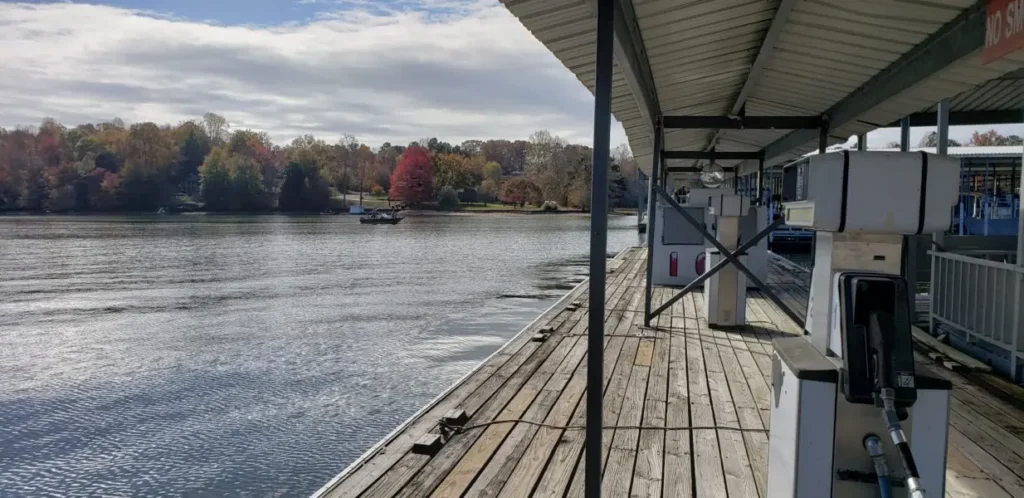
(686, 409)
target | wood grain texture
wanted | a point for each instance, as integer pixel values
(678, 373)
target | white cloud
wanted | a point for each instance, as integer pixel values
(468, 70)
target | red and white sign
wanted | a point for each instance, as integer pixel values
(1004, 28)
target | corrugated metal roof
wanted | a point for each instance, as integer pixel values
(1001, 94)
(700, 54)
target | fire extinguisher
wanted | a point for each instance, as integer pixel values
(673, 264)
(698, 264)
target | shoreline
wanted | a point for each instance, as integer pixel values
(408, 212)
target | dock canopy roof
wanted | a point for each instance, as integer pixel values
(859, 65)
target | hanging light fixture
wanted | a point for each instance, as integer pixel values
(712, 175)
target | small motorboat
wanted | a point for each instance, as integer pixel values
(381, 217)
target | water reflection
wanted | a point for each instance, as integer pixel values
(249, 355)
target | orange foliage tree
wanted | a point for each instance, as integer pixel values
(413, 179)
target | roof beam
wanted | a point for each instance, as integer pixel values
(955, 40)
(693, 169)
(632, 60)
(744, 122)
(710, 155)
(763, 56)
(959, 118)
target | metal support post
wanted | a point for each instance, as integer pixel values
(760, 181)
(1020, 221)
(943, 127)
(905, 134)
(651, 213)
(823, 137)
(699, 225)
(640, 201)
(598, 243)
(862, 142)
(1018, 314)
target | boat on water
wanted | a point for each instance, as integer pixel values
(381, 217)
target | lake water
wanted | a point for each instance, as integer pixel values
(249, 356)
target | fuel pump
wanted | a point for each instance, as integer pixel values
(725, 292)
(851, 415)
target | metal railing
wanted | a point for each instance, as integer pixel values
(981, 301)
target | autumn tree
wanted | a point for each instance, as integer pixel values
(247, 193)
(215, 180)
(413, 178)
(148, 156)
(452, 170)
(472, 147)
(932, 140)
(492, 171)
(193, 146)
(510, 155)
(519, 191)
(217, 127)
(993, 138)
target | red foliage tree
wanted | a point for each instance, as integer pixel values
(413, 179)
(519, 191)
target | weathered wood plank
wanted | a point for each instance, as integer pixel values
(618, 473)
(739, 477)
(522, 381)
(996, 432)
(678, 447)
(613, 400)
(565, 446)
(650, 458)
(566, 458)
(573, 370)
(500, 455)
(996, 470)
(707, 453)
(748, 409)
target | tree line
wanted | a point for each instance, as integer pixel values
(204, 164)
(978, 139)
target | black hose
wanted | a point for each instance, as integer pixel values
(909, 466)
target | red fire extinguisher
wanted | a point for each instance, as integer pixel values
(698, 264)
(673, 264)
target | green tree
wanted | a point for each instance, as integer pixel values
(193, 151)
(247, 192)
(448, 199)
(492, 171)
(293, 189)
(215, 181)
(450, 170)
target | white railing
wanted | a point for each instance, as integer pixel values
(982, 299)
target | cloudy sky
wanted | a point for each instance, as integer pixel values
(383, 70)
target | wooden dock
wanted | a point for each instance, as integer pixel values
(686, 409)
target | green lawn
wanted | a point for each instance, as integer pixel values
(496, 207)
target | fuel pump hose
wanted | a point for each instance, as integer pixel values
(874, 446)
(899, 439)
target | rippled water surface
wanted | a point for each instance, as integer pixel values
(249, 356)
